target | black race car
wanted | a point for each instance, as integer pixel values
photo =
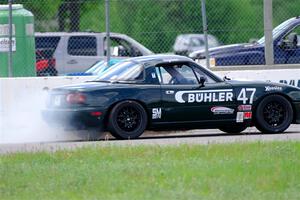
(171, 92)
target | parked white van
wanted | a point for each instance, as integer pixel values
(76, 52)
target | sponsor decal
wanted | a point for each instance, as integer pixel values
(219, 110)
(272, 88)
(156, 113)
(246, 95)
(239, 117)
(244, 107)
(247, 115)
(204, 96)
(4, 44)
(153, 75)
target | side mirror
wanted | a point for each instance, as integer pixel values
(123, 52)
(293, 39)
(114, 51)
(290, 42)
(202, 81)
(136, 52)
(119, 51)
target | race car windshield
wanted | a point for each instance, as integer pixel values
(123, 71)
(95, 67)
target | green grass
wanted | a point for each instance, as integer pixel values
(231, 171)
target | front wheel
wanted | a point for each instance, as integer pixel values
(127, 120)
(274, 114)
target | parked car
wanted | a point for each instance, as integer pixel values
(286, 49)
(98, 68)
(188, 43)
(171, 92)
(45, 65)
(76, 52)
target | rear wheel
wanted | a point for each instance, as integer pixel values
(127, 120)
(274, 114)
(235, 128)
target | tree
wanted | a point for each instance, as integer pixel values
(69, 9)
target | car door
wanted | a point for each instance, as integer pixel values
(81, 53)
(184, 99)
(287, 50)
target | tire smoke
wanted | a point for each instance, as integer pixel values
(23, 123)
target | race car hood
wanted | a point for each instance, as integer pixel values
(254, 82)
(221, 50)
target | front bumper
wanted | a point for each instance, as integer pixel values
(74, 118)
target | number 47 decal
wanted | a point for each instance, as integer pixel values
(246, 94)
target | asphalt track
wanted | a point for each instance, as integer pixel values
(202, 137)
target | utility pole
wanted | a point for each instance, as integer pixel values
(268, 28)
(10, 33)
(107, 7)
(204, 24)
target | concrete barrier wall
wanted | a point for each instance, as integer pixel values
(286, 76)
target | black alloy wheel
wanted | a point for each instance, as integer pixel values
(274, 114)
(127, 120)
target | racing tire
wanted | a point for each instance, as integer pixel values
(235, 128)
(274, 114)
(127, 120)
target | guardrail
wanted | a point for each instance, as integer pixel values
(290, 76)
(255, 67)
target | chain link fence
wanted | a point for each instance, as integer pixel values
(70, 34)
